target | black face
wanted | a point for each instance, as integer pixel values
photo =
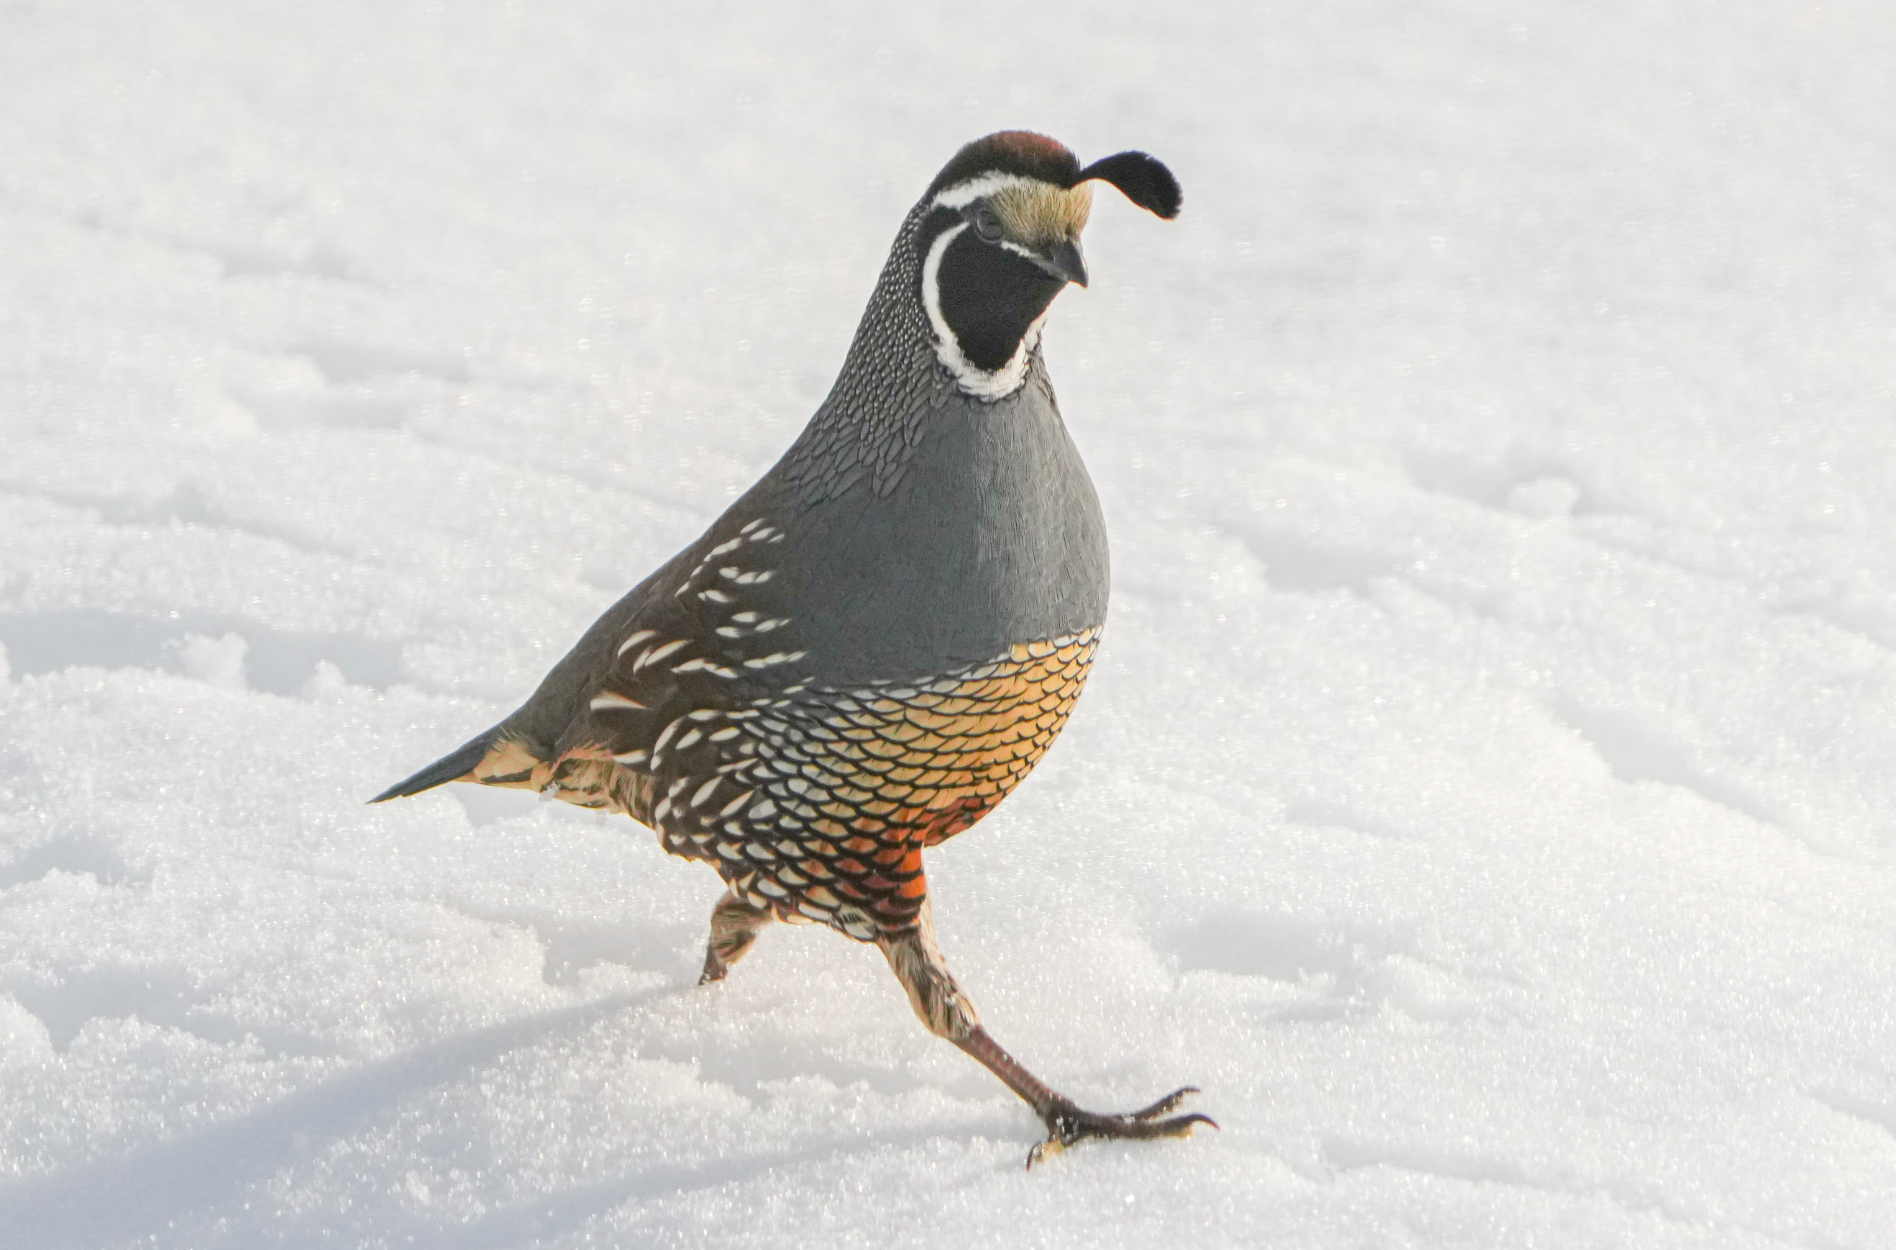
(989, 295)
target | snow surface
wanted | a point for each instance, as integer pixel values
(1486, 790)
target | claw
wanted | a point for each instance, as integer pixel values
(1067, 1125)
(1044, 1151)
(1164, 1104)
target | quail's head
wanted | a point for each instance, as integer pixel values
(1000, 237)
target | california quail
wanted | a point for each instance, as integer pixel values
(872, 646)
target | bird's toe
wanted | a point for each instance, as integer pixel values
(1068, 1125)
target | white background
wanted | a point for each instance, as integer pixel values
(1486, 792)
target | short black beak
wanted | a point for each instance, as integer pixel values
(1063, 260)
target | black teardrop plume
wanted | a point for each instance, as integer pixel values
(1143, 179)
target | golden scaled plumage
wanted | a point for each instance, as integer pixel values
(854, 783)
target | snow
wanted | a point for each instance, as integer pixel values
(1484, 792)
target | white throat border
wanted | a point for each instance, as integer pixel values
(987, 384)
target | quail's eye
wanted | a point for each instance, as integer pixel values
(986, 224)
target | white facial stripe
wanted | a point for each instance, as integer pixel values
(931, 287)
(963, 194)
(981, 383)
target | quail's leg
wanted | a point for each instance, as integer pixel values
(735, 925)
(948, 1013)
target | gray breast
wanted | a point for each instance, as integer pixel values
(974, 529)
(989, 534)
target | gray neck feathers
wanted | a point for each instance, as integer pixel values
(890, 381)
(927, 528)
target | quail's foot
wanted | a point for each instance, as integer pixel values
(1067, 1124)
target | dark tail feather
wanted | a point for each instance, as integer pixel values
(447, 768)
